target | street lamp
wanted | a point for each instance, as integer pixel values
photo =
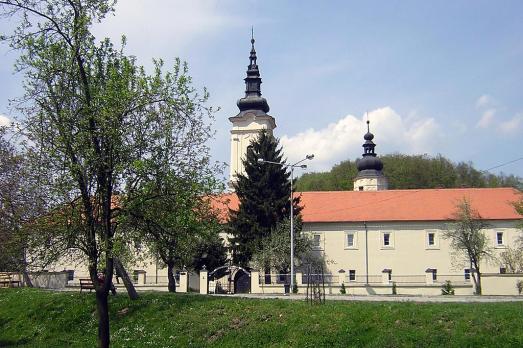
(291, 166)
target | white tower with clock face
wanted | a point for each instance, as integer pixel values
(251, 119)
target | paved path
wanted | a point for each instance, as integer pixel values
(389, 298)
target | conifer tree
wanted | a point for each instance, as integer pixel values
(264, 193)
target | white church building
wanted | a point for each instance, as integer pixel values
(373, 237)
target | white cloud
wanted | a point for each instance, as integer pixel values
(4, 120)
(513, 125)
(486, 119)
(484, 101)
(165, 25)
(343, 139)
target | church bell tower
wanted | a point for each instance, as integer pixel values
(251, 119)
(370, 176)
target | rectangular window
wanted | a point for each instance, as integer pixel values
(352, 275)
(499, 238)
(502, 270)
(386, 239)
(434, 274)
(316, 240)
(390, 275)
(467, 273)
(135, 276)
(283, 277)
(350, 240)
(70, 274)
(267, 276)
(431, 240)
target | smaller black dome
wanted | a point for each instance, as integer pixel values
(369, 162)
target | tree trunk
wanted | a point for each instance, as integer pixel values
(27, 281)
(122, 273)
(102, 307)
(170, 276)
(25, 273)
(478, 284)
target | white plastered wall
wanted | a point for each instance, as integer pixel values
(408, 253)
(244, 131)
(371, 184)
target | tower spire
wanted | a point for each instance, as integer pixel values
(253, 99)
(369, 145)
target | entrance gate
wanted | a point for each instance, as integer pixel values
(230, 280)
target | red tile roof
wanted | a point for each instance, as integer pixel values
(396, 205)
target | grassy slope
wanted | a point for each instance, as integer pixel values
(36, 318)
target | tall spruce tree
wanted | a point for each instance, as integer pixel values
(264, 193)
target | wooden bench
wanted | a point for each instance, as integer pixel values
(7, 282)
(86, 284)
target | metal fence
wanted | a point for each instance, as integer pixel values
(453, 278)
(409, 279)
(347, 279)
(272, 279)
(315, 277)
(362, 279)
(159, 280)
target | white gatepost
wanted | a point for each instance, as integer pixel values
(204, 281)
(341, 277)
(184, 282)
(385, 275)
(142, 277)
(428, 276)
(299, 279)
(255, 283)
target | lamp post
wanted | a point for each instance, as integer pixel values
(291, 166)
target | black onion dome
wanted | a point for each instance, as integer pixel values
(370, 161)
(253, 103)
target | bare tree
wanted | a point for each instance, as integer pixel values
(468, 240)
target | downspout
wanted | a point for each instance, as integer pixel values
(366, 253)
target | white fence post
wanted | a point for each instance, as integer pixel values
(385, 274)
(341, 277)
(255, 282)
(204, 281)
(299, 278)
(428, 276)
(142, 277)
(184, 282)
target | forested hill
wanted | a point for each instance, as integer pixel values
(410, 172)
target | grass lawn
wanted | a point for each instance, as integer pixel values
(38, 318)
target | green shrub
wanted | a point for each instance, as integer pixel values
(519, 286)
(295, 288)
(343, 291)
(447, 288)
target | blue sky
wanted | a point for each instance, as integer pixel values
(435, 77)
